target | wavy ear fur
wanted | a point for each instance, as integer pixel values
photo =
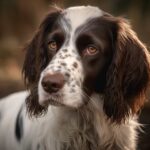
(128, 74)
(34, 61)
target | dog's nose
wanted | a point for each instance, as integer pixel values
(52, 83)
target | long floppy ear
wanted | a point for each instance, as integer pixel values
(128, 74)
(34, 60)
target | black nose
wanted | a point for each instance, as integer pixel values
(52, 83)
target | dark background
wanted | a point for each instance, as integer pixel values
(20, 18)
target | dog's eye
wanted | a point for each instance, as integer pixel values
(90, 50)
(52, 45)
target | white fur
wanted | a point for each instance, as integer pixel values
(79, 15)
(57, 126)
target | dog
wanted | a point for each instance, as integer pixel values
(87, 74)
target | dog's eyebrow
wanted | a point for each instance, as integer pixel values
(58, 32)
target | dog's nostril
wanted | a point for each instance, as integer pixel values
(53, 83)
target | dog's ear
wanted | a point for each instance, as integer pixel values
(34, 60)
(128, 73)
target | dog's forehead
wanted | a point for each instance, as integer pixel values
(79, 15)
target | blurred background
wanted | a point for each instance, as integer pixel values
(20, 18)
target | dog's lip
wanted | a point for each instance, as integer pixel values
(54, 102)
(53, 99)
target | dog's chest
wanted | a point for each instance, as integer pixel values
(83, 138)
(79, 132)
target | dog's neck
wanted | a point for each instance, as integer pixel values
(87, 128)
(83, 126)
(85, 136)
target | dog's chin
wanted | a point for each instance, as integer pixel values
(55, 103)
(51, 101)
(60, 103)
(56, 100)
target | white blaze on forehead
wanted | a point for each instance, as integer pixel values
(79, 15)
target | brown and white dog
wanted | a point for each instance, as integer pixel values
(87, 75)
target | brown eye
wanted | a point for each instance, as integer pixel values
(90, 50)
(52, 46)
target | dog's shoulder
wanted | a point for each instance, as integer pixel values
(13, 101)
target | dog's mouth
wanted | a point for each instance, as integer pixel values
(53, 101)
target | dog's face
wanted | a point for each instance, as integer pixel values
(81, 51)
(78, 53)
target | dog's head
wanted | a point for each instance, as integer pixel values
(81, 51)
